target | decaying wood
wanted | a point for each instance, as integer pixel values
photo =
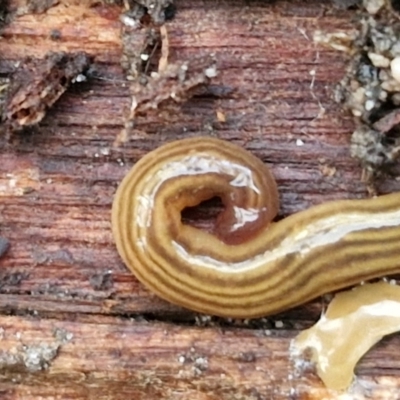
(129, 359)
(81, 326)
(38, 83)
(389, 121)
(176, 82)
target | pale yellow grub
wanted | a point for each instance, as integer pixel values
(354, 321)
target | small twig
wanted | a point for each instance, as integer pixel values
(163, 63)
(389, 121)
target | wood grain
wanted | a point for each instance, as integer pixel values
(122, 359)
(57, 182)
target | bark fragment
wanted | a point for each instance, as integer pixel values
(38, 83)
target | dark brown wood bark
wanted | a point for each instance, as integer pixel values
(94, 330)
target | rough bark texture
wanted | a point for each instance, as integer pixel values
(74, 322)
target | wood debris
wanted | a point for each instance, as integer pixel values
(175, 84)
(38, 83)
(156, 82)
(371, 88)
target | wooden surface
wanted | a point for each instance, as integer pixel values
(74, 322)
